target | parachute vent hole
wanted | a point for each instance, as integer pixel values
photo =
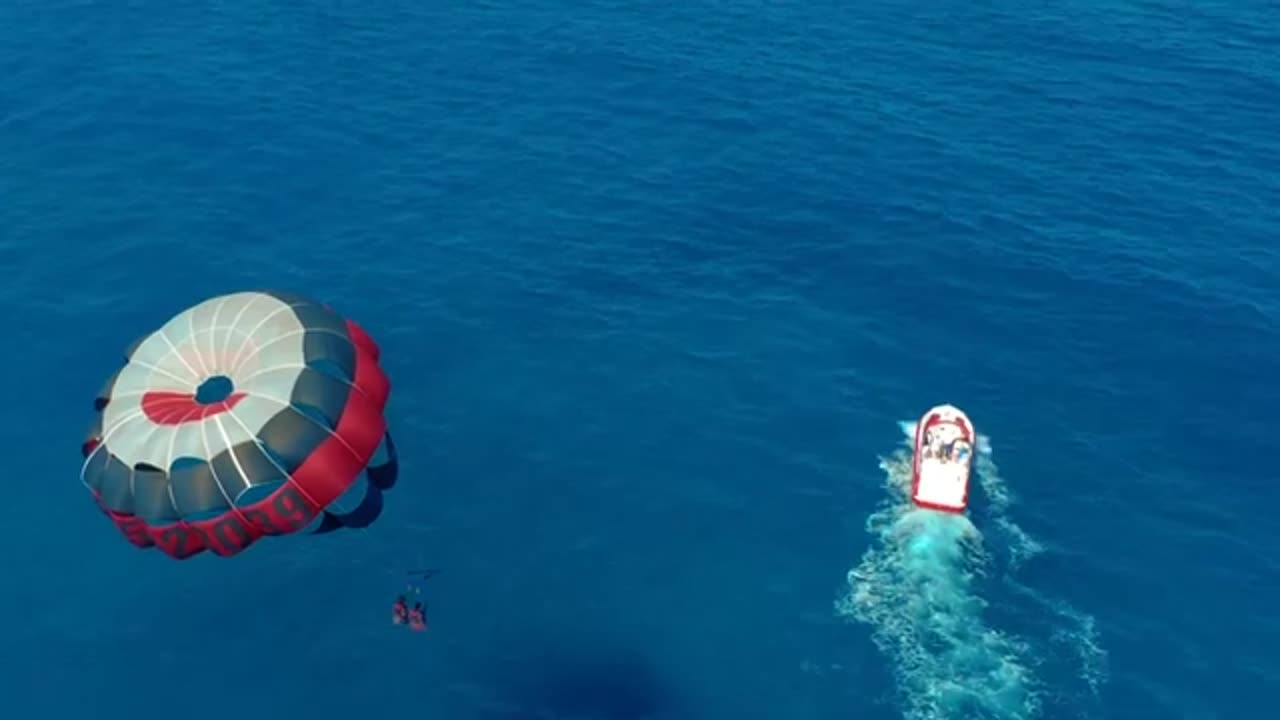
(146, 468)
(100, 404)
(214, 390)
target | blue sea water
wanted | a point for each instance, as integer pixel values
(658, 286)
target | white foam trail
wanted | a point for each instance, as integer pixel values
(915, 588)
(1072, 630)
(1022, 547)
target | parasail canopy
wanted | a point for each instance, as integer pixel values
(250, 414)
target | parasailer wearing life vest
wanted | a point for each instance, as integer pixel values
(415, 617)
(418, 618)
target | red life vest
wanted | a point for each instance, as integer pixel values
(417, 620)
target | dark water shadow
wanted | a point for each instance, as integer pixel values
(556, 678)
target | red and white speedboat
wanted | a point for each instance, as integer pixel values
(943, 462)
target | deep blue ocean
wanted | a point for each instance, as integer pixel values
(659, 287)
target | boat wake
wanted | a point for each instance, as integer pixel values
(918, 588)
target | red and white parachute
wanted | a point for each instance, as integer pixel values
(250, 414)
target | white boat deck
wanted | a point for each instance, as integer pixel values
(942, 483)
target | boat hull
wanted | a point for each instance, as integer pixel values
(943, 460)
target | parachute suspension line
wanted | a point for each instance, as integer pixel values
(295, 366)
(274, 368)
(235, 324)
(271, 459)
(161, 371)
(173, 442)
(169, 458)
(235, 359)
(173, 350)
(345, 511)
(242, 360)
(108, 432)
(288, 404)
(208, 450)
(284, 473)
(415, 579)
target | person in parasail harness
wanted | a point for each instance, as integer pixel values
(418, 617)
(400, 611)
(415, 617)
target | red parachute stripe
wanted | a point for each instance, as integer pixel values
(175, 408)
(329, 470)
